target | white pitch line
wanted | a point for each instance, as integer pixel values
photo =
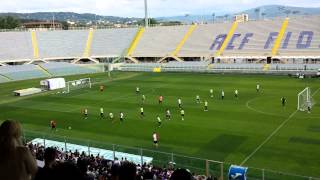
(273, 133)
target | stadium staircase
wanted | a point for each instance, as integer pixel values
(5, 77)
(266, 67)
(45, 71)
(134, 45)
(229, 36)
(280, 37)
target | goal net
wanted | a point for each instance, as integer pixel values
(78, 84)
(304, 99)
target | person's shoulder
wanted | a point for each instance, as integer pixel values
(22, 149)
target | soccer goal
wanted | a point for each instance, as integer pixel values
(304, 99)
(78, 84)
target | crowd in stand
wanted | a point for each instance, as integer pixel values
(19, 163)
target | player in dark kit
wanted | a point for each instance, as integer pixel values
(101, 88)
(283, 101)
(53, 125)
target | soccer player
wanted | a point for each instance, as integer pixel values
(141, 112)
(236, 93)
(258, 88)
(137, 90)
(180, 103)
(222, 94)
(111, 116)
(160, 99)
(182, 114)
(198, 99)
(53, 125)
(205, 105)
(159, 121)
(155, 139)
(101, 88)
(143, 98)
(101, 113)
(283, 101)
(85, 113)
(211, 93)
(309, 107)
(168, 114)
(121, 116)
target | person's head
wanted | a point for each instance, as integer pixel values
(10, 133)
(127, 171)
(181, 174)
(50, 155)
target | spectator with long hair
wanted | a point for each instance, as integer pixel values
(16, 162)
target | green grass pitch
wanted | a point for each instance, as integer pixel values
(230, 131)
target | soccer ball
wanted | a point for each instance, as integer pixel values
(69, 128)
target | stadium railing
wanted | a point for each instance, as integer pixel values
(197, 165)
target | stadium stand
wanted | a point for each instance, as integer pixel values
(197, 66)
(111, 42)
(21, 72)
(63, 69)
(304, 35)
(15, 46)
(146, 67)
(62, 44)
(199, 42)
(257, 33)
(159, 41)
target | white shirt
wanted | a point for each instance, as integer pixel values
(141, 109)
(158, 118)
(222, 93)
(236, 91)
(258, 86)
(206, 103)
(198, 97)
(121, 115)
(111, 115)
(86, 111)
(168, 112)
(101, 110)
(179, 101)
(155, 137)
(211, 91)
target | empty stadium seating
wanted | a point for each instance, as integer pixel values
(159, 41)
(64, 69)
(62, 44)
(21, 72)
(300, 37)
(111, 42)
(15, 46)
(147, 67)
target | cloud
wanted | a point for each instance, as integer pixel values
(135, 8)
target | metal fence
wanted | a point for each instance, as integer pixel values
(197, 165)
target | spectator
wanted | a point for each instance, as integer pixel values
(47, 172)
(180, 174)
(16, 162)
(127, 171)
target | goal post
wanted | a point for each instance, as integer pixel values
(304, 99)
(78, 84)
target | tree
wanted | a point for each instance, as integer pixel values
(9, 22)
(65, 25)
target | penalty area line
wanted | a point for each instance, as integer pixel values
(272, 134)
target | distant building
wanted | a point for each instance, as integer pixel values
(241, 17)
(42, 25)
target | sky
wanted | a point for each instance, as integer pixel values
(135, 8)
